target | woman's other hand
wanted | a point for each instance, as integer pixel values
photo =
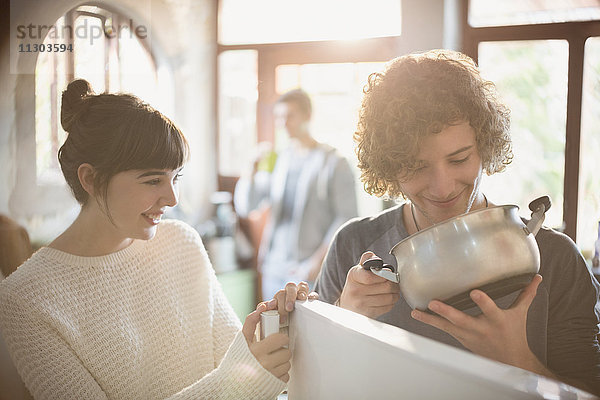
(271, 352)
(284, 299)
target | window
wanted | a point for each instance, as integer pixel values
(531, 77)
(238, 94)
(276, 21)
(336, 93)
(109, 55)
(50, 77)
(589, 168)
(265, 48)
(519, 12)
(553, 46)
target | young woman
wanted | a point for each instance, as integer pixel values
(429, 127)
(125, 305)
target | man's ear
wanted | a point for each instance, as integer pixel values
(86, 173)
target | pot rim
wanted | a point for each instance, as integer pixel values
(456, 218)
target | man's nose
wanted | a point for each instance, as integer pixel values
(441, 183)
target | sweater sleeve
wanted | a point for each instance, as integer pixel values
(225, 322)
(239, 376)
(48, 366)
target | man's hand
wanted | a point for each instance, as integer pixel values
(496, 333)
(366, 293)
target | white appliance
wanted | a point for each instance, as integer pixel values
(338, 354)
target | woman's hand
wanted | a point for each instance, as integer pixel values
(284, 299)
(270, 352)
(496, 333)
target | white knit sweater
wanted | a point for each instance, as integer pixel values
(147, 322)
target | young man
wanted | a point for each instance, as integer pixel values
(429, 127)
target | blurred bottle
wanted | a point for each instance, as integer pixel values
(225, 218)
(596, 258)
(221, 246)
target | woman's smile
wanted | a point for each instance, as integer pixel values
(153, 218)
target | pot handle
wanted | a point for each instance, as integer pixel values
(376, 266)
(538, 209)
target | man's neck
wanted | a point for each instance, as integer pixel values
(306, 141)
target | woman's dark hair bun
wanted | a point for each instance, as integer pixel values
(72, 102)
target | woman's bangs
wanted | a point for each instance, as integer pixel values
(158, 145)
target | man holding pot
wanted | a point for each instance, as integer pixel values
(429, 127)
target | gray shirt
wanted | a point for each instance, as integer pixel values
(280, 256)
(562, 322)
(324, 198)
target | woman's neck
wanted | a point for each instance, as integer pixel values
(90, 235)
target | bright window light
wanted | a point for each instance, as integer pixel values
(271, 21)
(520, 12)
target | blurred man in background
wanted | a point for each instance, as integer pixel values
(310, 192)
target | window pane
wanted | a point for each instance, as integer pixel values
(519, 12)
(287, 77)
(336, 93)
(531, 77)
(50, 79)
(588, 209)
(89, 52)
(121, 60)
(238, 95)
(137, 74)
(271, 21)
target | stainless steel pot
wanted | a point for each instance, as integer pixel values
(490, 249)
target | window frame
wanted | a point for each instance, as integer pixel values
(70, 17)
(53, 203)
(576, 34)
(271, 55)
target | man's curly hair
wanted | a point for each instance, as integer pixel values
(418, 95)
